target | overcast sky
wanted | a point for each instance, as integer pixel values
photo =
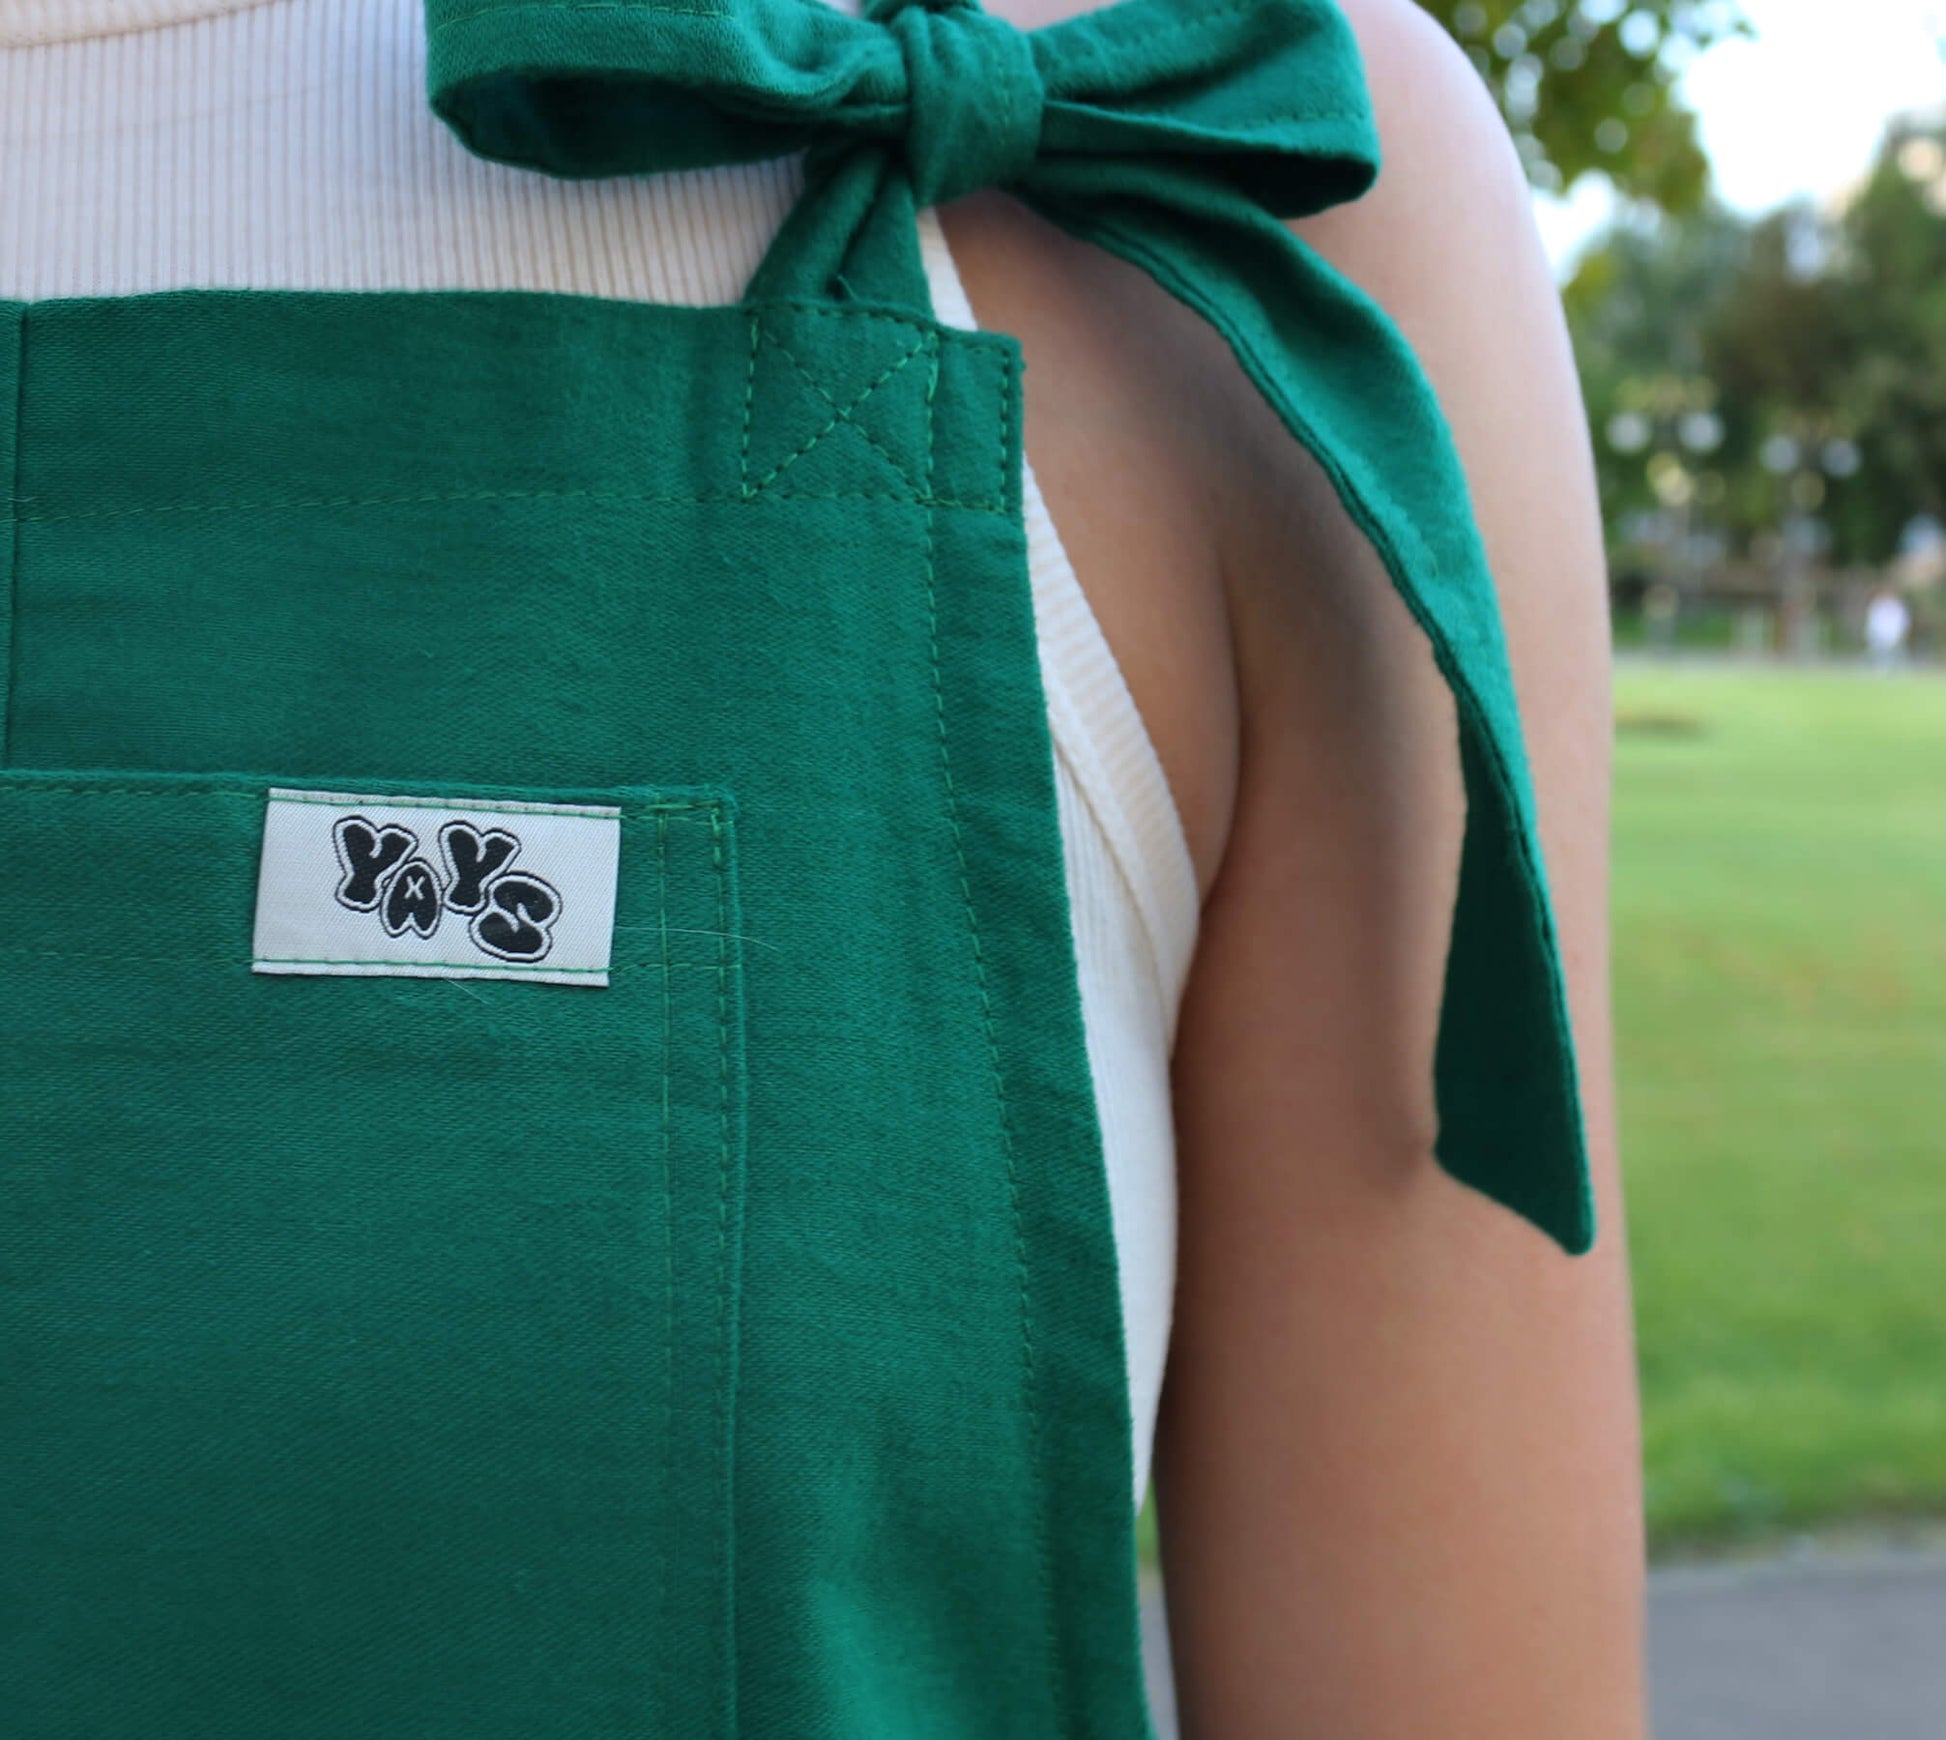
(1797, 110)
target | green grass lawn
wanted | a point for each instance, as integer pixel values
(1780, 958)
(1780, 988)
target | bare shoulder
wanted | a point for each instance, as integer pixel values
(1439, 131)
(1446, 243)
(1152, 447)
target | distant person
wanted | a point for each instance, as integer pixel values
(1659, 612)
(1888, 623)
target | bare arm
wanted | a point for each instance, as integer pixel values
(1398, 1476)
(1398, 1463)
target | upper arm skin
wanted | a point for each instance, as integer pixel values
(1398, 1451)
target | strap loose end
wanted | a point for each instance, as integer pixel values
(1344, 382)
(1510, 1122)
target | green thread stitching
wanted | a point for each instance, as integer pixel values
(949, 337)
(1012, 428)
(749, 399)
(1029, 1374)
(8, 789)
(844, 415)
(838, 416)
(668, 1208)
(599, 497)
(725, 1447)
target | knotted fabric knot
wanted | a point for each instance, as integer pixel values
(1176, 134)
(974, 95)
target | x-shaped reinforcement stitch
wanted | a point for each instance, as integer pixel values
(845, 413)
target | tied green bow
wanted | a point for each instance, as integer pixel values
(1177, 134)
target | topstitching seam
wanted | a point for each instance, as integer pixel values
(726, 1365)
(1029, 1374)
(685, 807)
(632, 497)
(839, 414)
(845, 413)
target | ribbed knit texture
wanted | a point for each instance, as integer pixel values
(140, 150)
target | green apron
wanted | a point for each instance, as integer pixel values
(434, 1345)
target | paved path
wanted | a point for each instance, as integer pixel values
(1838, 1647)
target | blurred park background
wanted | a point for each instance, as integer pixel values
(1746, 207)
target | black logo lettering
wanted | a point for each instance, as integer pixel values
(473, 859)
(412, 900)
(512, 913)
(368, 855)
(519, 920)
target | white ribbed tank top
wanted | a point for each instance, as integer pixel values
(286, 144)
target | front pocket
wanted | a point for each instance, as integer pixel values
(367, 1344)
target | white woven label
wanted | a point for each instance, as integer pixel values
(434, 888)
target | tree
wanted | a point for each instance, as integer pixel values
(1642, 307)
(1783, 347)
(1588, 86)
(1785, 375)
(1891, 265)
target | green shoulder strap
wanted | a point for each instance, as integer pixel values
(1177, 134)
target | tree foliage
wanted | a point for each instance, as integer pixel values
(1588, 86)
(1891, 263)
(1785, 371)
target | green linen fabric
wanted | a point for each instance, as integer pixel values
(734, 1350)
(1176, 134)
(367, 1347)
